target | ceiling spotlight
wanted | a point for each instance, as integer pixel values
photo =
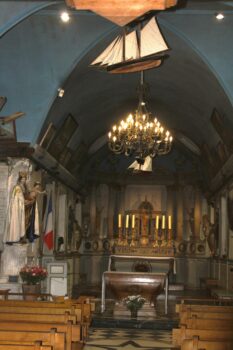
(219, 16)
(65, 17)
(61, 92)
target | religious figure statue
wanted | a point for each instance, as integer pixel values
(191, 222)
(209, 231)
(74, 231)
(22, 217)
(15, 221)
(31, 212)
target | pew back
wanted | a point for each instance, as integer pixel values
(213, 315)
(73, 331)
(200, 308)
(197, 344)
(52, 338)
(36, 346)
(179, 335)
(4, 316)
(208, 323)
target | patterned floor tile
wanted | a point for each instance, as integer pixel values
(128, 339)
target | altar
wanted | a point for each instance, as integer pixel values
(143, 256)
(133, 275)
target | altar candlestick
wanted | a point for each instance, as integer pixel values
(133, 221)
(157, 222)
(169, 222)
(127, 221)
(119, 220)
(163, 222)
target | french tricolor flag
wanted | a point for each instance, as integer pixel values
(48, 234)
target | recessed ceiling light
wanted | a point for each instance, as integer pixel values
(61, 92)
(219, 16)
(65, 17)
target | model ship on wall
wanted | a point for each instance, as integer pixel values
(139, 50)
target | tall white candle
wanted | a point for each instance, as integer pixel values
(133, 221)
(169, 222)
(127, 221)
(157, 222)
(163, 222)
(119, 220)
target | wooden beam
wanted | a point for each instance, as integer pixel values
(11, 148)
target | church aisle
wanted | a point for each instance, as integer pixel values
(129, 339)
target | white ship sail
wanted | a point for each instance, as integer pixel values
(131, 46)
(152, 42)
(147, 166)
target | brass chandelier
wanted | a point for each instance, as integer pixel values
(140, 135)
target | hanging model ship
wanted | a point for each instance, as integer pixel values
(138, 50)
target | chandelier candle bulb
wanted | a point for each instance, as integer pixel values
(127, 221)
(169, 222)
(163, 222)
(133, 221)
(119, 220)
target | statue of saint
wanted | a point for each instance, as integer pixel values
(22, 217)
(209, 231)
(15, 221)
(31, 212)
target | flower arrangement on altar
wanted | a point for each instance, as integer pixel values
(33, 274)
(134, 302)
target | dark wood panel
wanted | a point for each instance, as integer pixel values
(63, 136)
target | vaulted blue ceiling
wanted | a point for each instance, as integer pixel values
(40, 54)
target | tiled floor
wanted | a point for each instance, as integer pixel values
(128, 339)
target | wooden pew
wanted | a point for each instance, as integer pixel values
(53, 338)
(77, 313)
(44, 318)
(197, 344)
(180, 334)
(44, 310)
(72, 331)
(200, 308)
(205, 301)
(36, 346)
(208, 323)
(82, 310)
(212, 315)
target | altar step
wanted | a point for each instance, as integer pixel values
(139, 323)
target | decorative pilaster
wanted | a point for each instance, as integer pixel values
(223, 221)
(170, 207)
(179, 215)
(111, 199)
(197, 214)
(93, 211)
